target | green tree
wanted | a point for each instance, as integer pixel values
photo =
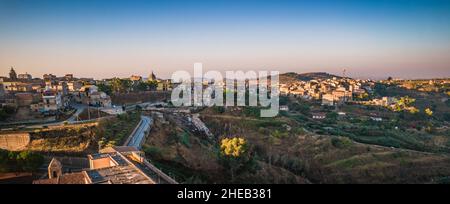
(116, 85)
(363, 96)
(219, 109)
(6, 112)
(381, 89)
(121, 85)
(300, 107)
(126, 84)
(105, 88)
(341, 142)
(283, 100)
(447, 117)
(29, 161)
(405, 103)
(20, 161)
(235, 156)
(152, 84)
(332, 115)
(142, 86)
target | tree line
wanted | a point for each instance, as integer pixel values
(24, 161)
(118, 85)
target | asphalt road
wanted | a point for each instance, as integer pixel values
(139, 134)
(80, 108)
(71, 120)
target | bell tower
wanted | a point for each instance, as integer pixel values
(152, 77)
(12, 74)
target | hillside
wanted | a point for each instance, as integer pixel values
(285, 151)
(191, 158)
(283, 142)
(292, 77)
(81, 139)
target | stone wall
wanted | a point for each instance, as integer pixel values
(141, 97)
(14, 141)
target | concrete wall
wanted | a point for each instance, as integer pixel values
(14, 141)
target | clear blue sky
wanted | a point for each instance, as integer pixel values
(93, 38)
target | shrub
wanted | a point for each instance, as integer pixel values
(236, 157)
(251, 111)
(153, 152)
(300, 107)
(20, 161)
(5, 112)
(184, 139)
(219, 109)
(447, 116)
(341, 142)
(234, 147)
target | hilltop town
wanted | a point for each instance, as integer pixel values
(330, 129)
(25, 99)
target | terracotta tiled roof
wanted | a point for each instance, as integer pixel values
(75, 178)
(46, 181)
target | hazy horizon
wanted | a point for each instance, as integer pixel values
(104, 39)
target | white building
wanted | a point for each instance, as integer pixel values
(51, 101)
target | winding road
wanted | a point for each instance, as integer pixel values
(139, 133)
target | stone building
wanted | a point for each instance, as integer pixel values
(12, 74)
(113, 165)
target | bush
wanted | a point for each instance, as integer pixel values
(341, 142)
(153, 152)
(184, 139)
(300, 107)
(278, 134)
(5, 112)
(116, 130)
(236, 156)
(251, 111)
(447, 117)
(283, 100)
(25, 161)
(271, 123)
(219, 109)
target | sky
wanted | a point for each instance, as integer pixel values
(108, 38)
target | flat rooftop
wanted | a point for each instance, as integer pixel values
(125, 172)
(118, 175)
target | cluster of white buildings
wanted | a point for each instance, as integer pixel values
(384, 101)
(90, 95)
(331, 91)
